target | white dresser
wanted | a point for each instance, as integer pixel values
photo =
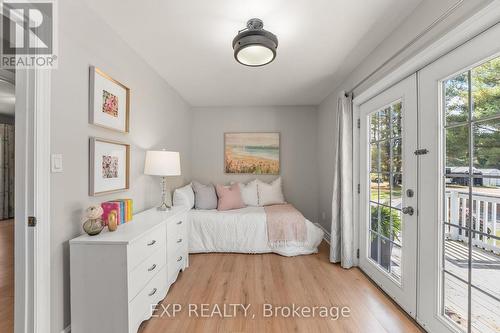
(116, 277)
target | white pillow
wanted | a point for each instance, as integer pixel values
(249, 193)
(270, 194)
(184, 196)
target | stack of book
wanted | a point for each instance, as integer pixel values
(123, 208)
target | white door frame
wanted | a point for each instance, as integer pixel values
(465, 31)
(478, 50)
(403, 291)
(32, 198)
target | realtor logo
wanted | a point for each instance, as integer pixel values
(28, 34)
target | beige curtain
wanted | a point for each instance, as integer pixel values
(6, 171)
(342, 231)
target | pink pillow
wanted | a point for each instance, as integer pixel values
(229, 197)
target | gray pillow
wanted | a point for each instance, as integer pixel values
(204, 196)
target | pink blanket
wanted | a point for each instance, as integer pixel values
(285, 224)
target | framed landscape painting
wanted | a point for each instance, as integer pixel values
(252, 153)
(109, 105)
(109, 166)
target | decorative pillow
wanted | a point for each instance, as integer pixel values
(204, 196)
(270, 194)
(249, 193)
(184, 196)
(229, 197)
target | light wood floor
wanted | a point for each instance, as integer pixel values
(273, 279)
(7, 276)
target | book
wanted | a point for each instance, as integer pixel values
(107, 207)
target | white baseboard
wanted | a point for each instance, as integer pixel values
(67, 329)
(326, 236)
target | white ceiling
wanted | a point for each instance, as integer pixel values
(188, 43)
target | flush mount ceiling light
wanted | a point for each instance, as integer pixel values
(255, 46)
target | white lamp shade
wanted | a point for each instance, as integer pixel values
(162, 163)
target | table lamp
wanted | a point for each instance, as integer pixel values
(163, 163)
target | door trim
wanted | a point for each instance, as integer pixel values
(32, 183)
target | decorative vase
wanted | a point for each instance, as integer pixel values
(93, 223)
(112, 220)
(93, 226)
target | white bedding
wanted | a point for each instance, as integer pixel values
(242, 231)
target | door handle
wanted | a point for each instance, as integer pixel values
(408, 210)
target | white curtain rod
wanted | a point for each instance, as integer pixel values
(431, 26)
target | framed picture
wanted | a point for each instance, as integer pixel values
(109, 104)
(109, 166)
(252, 153)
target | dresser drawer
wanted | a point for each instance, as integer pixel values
(145, 246)
(140, 307)
(145, 271)
(176, 235)
(175, 262)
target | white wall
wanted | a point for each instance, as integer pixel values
(423, 16)
(159, 119)
(297, 126)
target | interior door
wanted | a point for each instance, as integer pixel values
(388, 194)
(459, 256)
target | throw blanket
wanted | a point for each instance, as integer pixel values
(285, 224)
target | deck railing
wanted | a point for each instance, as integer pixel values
(485, 222)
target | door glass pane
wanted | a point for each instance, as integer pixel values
(384, 123)
(457, 149)
(456, 99)
(374, 154)
(385, 189)
(487, 145)
(472, 201)
(396, 155)
(485, 313)
(456, 252)
(396, 261)
(396, 185)
(374, 184)
(373, 246)
(396, 119)
(455, 303)
(485, 89)
(374, 136)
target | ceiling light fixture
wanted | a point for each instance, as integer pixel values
(254, 46)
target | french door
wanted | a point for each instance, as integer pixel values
(388, 193)
(459, 182)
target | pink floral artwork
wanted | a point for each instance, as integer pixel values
(109, 166)
(109, 104)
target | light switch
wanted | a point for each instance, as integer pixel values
(57, 163)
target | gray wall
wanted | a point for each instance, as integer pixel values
(159, 119)
(425, 13)
(297, 126)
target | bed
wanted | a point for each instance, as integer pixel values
(242, 231)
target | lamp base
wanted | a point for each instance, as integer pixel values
(164, 194)
(164, 207)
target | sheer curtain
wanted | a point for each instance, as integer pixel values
(342, 238)
(6, 171)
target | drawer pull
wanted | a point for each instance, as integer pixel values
(179, 259)
(152, 292)
(152, 268)
(153, 242)
(180, 222)
(179, 240)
